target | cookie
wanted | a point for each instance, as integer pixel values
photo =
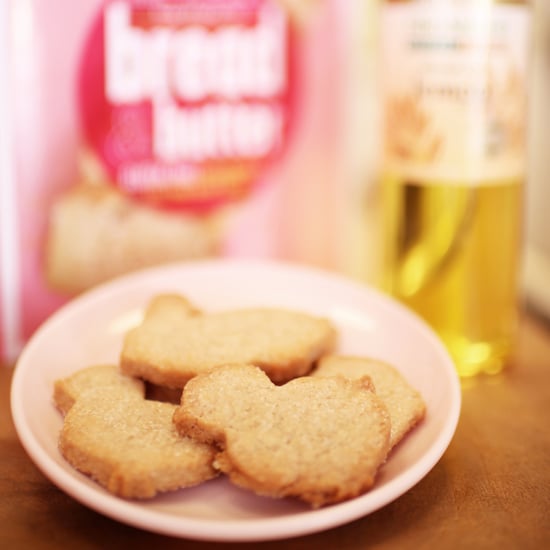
(68, 389)
(130, 445)
(169, 349)
(321, 440)
(404, 403)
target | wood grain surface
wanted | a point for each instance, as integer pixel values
(491, 489)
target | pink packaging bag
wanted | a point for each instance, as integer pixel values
(139, 132)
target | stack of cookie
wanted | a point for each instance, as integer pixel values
(258, 395)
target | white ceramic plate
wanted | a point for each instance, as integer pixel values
(89, 330)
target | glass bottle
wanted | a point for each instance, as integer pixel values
(455, 79)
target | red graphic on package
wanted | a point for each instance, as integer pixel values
(186, 102)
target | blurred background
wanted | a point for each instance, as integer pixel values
(310, 195)
(537, 253)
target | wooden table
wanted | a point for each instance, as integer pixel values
(491, 489)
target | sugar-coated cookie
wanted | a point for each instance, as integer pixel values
(68, 389)
(168, 348)
(130, 445)
(319, 439)
(404, 403)
(127, 443)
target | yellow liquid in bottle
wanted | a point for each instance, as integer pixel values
(452, 255)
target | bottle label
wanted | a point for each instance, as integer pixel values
(185, 102)
(455, 91)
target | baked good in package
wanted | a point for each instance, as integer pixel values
(93, 222)
(173, 139)
(257, 395)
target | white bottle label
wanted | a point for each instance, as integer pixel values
(455, 91)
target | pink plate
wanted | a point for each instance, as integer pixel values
(89, 330)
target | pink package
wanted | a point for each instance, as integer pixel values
(139, 132)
